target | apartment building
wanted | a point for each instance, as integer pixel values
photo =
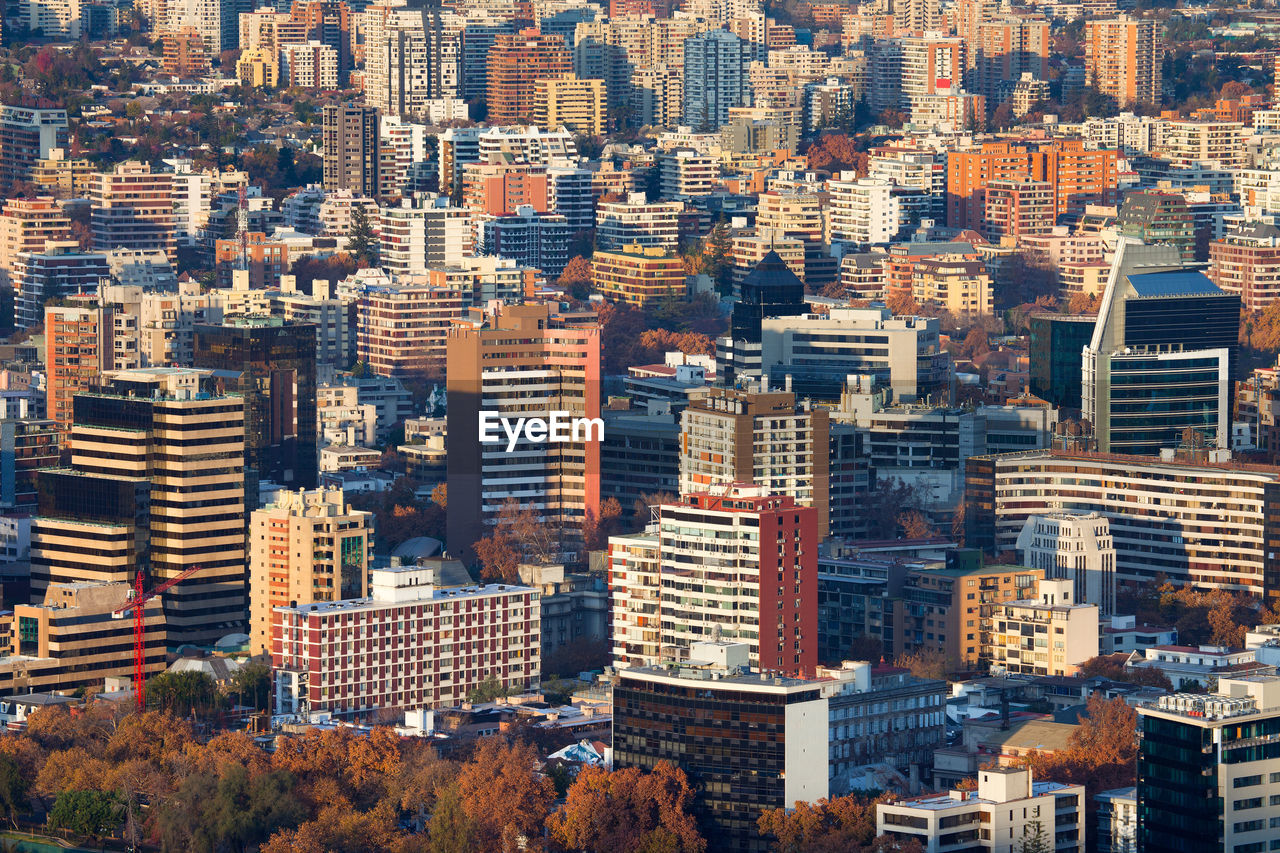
(351, 144)
(1018, 208)
(570, 102)
(265, 260)
(1217, 748)
(184, 53)
(312, 65)
(1123, 59)
(305, 547)
(402, 328)
(411, 643)
(638, 275)
(529, 238)
(497, 188)
(864, 211)
(26, 225)
(1007, 810)
(62, 175)
(1050, 634)
(409, 59)
(1247, 261)
(131, 489)
(29, 134)
(132, 209)
(1220, 143)
(1216, 533)
(522, 361)
(764, 438)
(953, 284)
(638, 222)
(516, 62)
(423, 231)
(77, 350)
(684, 174)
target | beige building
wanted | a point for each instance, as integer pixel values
(306, 547)
(1076, 546)
(26, 224)
(572, 102)
(1123, 59)
(952, 283)
(258, 67)
(133, 208)
(638, 275)
(62, 175)
(1194, 142)
(1007, 808)
(1048, 635)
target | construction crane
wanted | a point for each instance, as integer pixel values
(138, 603)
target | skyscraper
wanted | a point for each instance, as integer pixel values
(409, 59)
(771, 289)
(156, 484)
(1124, 59)
(516, 62)
(351, 149)
(273, 366)
(132, 209)
(1159, 360)
(715, 78)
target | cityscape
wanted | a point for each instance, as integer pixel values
(642, 426)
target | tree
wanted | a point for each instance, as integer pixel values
(440, 495)
(627, 811)
(361, 242)
(502, 791)
(924, 662)
(1112, 667)
(576, 279)
(488, 690)
(13, 788)
(887, 502)
(901, 303)
(842, 823)
(1034, 841)
(87, 814)
(599, 526)
(499, 558)
(451, 829)
(338, 828)
(231, 809)
(916, 525)
(251, 684)
(183, 693)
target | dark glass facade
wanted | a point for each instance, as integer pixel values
(1179, 809)
(274, 368)
(1056, 342)
(1154, 400)
(731, 743)
(1208, 321)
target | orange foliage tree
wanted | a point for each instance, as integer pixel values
(502, 792)
(1101, 753)
(627, 811)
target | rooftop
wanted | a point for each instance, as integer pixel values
(938, 802)
(1153, 285)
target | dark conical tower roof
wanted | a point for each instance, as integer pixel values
(771, 289)
(772, 271)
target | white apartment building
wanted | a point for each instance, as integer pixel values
(421, 232)
(635, 598)
(204, 15)
(638, 222)
(1220, 142)
(1008, 808)
(684, 174)
(409, 60)
(862, 210)
(313, 65)
(58, 20)
(1048, 635)
(409, 644)
(1076, 546)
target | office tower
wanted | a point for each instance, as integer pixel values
(1018, 208)
(1159, 362)
(769, 541)
(1206, 769)
(156, 483)
(1007, 805)
(344, 672)
(1056, 341)
(132, 209)
(26, 446)
(1077, 175)
(639, 276)
(715, 78)
(327, 22)
(1245, 261)
(59, 271)
(1159, 217)
(529, 238)
(814, 354)
(730, 436)
(421, 232)
(304, 548)
(636, 222)
(78, 349)
(516, 62)
(401, 328)
(1123, 59)
(1213, 535)
(26, 224)
(522, 361)
(28, 134)
(1077, 547)
(570, 102)
(770, 290)
(409, 59)
(351, 149)
(273, 366)
(184, 53)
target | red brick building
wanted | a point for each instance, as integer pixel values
(516, 60)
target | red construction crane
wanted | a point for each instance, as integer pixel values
(138, 603)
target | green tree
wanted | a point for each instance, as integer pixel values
(488, 690)
(251, 685)
(361, 243)
(88, 814)
(183, 693)
(716, 262)
(229, 811)
(450, 829)
(1034, 839)
(13, 788)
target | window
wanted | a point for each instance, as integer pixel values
(1246, 782)
(1253, 803)
(1248, 825)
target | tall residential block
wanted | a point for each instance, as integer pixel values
(27, 135)
(77, 350)
(522, 361)
(156, 484)
(133, 209)
(350, 135)
(410, 59)
(1077, 547)
(715, 78)
(402, 328)
(572, 102)
(1124, 59)
(305, 547)
(516, 62)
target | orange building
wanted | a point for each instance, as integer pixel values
(502, 188)
(26, 224)
(638, 275)
(1124, 58)
(1076, 175)
(516, 61)
(268, 260)
(77, 350)
(1018, 208)
(185, 54)
(900, 265)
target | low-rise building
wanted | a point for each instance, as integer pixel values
(1117, 820)
(1194, 665)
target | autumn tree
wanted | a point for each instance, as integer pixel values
(1112, 667)
(837, 152)
(501, 790)
(600, 525)
(843, 823)
(1101, 753)
(451, 829)
(498, 556)
(900, 303)
(888, 501)
(230, 809)
(576, 279)
(924, 662)
(339, 828)
(916, 525)
(621, 326)
(628, 811)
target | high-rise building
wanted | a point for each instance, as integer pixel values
(328, 24)
(730, 436)
(304, 548)
(1245, 261)
(529, 238)
(401, 329)
(637, 275)
(1018, 208)
(184, 53)
(522, 361)
(273, 367)
(864, 211)
(638, 222)
(28, 134)
(351, 148)
(1159, 362)
(572, 102)
(1159, 217)
(1077, 547)
(1205, 768)
(770, 290)
(77, 344)
(422, 232)
(715, 78)
(1124, 59)
(310, 66)
(59, 271)
(133, 209)
(499, 188)
(1213, 535)
(516, 62)
(157, 484)
(1069, 628)
(931, 64)
(477, 40)
(409, 59)
(332, 656)
(1056, 341)
(26, 224)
